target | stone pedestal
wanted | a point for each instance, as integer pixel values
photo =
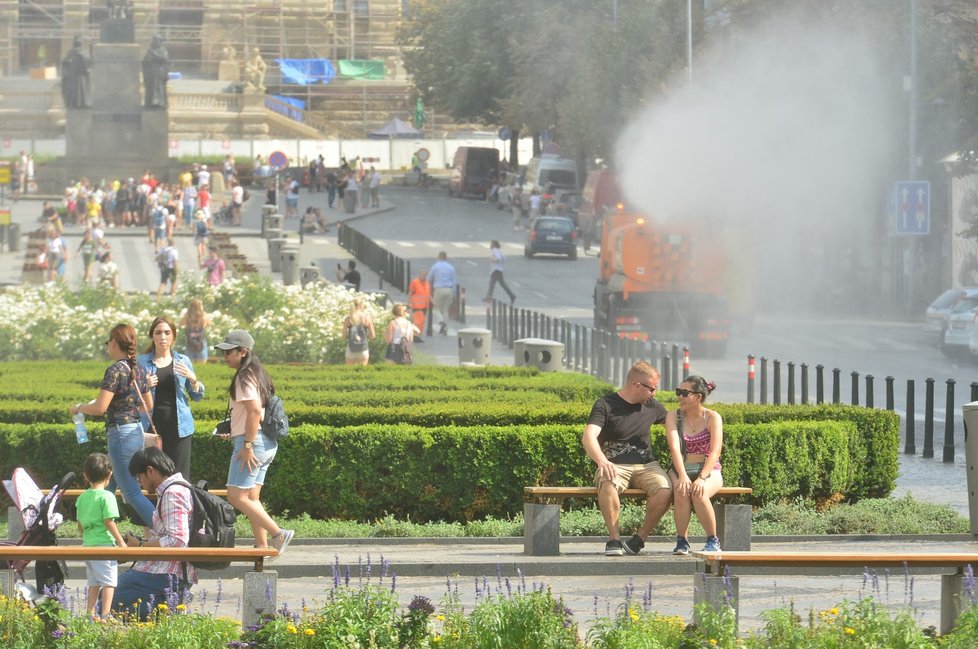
(541, 535)
(116, 137)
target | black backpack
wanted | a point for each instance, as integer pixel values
(275, 425)
(211, 524)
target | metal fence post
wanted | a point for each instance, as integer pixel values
(949, 422)
(685, 363)
(928, 419)
(819, 384)
(791, 383)
(974, 391)
(675, 366)
(667, 369)
(763, 380)
(855, 388)
(750, 378)
(910, 443)
(776, 390)
(836, 379)
(869, 390)
(889, 393)
(804, 384)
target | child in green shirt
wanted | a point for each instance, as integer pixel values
(97, 511)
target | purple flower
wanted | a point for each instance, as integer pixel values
(421, 604)
(57, 633)
(393, 581)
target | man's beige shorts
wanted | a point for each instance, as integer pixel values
(647, 477)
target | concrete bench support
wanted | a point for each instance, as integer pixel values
(954, 600)
(260, 596)
(541, 535)
(716, 592)
(733, 526)
(7, 580)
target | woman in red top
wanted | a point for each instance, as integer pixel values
(700, 430)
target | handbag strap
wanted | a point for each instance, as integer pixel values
(142, 400)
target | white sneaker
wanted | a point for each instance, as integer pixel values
(281, 542)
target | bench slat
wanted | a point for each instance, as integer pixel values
(82, 553)
(74, 493)
(542, 493)
(836, 559)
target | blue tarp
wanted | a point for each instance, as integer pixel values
(272, 103)
(306, 72)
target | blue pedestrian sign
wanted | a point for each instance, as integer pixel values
(913, 207)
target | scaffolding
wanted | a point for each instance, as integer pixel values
(39, 32)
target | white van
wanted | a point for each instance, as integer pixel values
(548, 172)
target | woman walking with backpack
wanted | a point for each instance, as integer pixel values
(250, 390)
(195, 323)
(171, 376)
(358, 331)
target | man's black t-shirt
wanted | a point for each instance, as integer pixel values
(353, 277)
(624, 436)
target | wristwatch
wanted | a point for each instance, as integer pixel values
(249, 444)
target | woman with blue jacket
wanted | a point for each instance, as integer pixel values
(171, 376)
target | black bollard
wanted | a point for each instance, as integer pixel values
(949, 422)
(974, 391)
(750, 378)
(819, 384)
(836, 387)
(910, 443)
(763, 380)
(869, 390)
(855, 388)
(791, 383)
(928, 419)
(776, 389)
(675, 366)
(804, 384)
(889, 393)
(666, 369)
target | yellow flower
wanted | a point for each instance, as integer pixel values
(850, 631)
(310, 632)
(291, 629)
(440, 617)
(181, 607)
(163, 607)
(834, 611)
(713, 641)
(436, 639)
(632, 615)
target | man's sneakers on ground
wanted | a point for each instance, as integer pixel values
(614, 548)
(634, 544)
(281, 542)
(682, 546)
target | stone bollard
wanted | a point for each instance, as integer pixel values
(545, 355)
(290, 264)
(474, 345)
(273, 223)
(259, 596)
(309, 274)
(519, 349)
(275, 252)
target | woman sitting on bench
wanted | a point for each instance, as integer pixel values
(695, 437)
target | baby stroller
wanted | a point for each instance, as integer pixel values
(40, 522)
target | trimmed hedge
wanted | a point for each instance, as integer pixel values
(448, 443)
(451, 473)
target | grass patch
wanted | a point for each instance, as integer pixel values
(872, 516)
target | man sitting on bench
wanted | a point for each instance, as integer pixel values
(617, 438)
(148, 583)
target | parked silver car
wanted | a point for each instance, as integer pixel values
(957, 334)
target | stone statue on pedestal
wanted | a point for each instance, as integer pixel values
(255, 71)
(156, 72)
(76, 84)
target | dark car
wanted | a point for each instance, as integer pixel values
(551, 234)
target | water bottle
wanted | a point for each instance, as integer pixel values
(81, 431)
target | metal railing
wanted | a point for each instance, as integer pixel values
(588, 350)
(391, 268)
(799, 392)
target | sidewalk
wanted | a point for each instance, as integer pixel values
(591, 584)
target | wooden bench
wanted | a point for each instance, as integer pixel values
(716, 580)
(541, 516)
(260, 585)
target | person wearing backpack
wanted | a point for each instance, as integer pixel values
(148, 583)
(167, 259)
(250, 391)
(358, 331)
